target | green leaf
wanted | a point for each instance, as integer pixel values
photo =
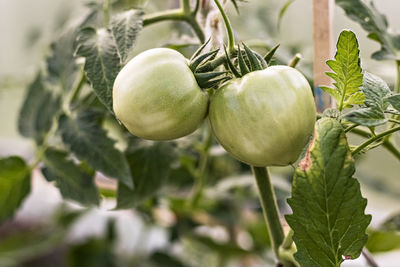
(346, 72)
(15, 185)
(367, 117)
(125, 27)
(283, 11)
(73, 180)
(382, 241)
(102, 61)
(375, 90)
(61, 64)
(84, 136)
(376, 93)
(375, 23)
(150, 167)
(394, 100)
(37, 111)
(328, 217)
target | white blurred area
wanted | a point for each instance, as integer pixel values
(26, 29)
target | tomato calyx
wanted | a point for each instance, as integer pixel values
(248, 61)
(206, 79)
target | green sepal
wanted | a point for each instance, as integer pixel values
(200, 59)
(271, 53)
(200, 49)
(253, 60)
(202, 78)
(263, 63)
(215, 82)
(232, 67)
(242, 63)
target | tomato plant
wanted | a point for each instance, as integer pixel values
(183, 137)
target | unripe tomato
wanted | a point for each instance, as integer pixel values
(264, 118)
(156, 96)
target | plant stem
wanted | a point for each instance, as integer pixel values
(295, 60)
(78, 88)
(397, 88)
(196, 8)
(348, 129)
(173, 14)
(177, 15)
(368, 257)
(185, 4)
(394, 121)
(288, 241)
(196, 28)
(373, 139)
(201, 173)
(386, 144)
(269, 206)
(231, 40)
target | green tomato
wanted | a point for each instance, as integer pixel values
(156, 96)
(264, 118)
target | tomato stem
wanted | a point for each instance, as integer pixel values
(201, 173)
(269, 207)
(375, 138)
(231, 40)
(295, 60)
(386, 143)
(177, 15)
(185, 4)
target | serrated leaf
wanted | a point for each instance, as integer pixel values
(73, 181)
(367, 116)
(394, 100)
(15, 185)
(102, 61)
(84, 136)
(346, 71)
(375, 90)
(375, 23)
(150, 167)
(332, 91)
(37, 111)
(61, 64)
(328, 217)
(31, 107)
(125, 27)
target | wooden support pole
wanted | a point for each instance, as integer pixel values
(323, 50)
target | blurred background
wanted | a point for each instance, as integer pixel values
(47, 229)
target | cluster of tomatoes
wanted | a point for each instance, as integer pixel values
(264, 118)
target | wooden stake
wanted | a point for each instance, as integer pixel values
(323, 50)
